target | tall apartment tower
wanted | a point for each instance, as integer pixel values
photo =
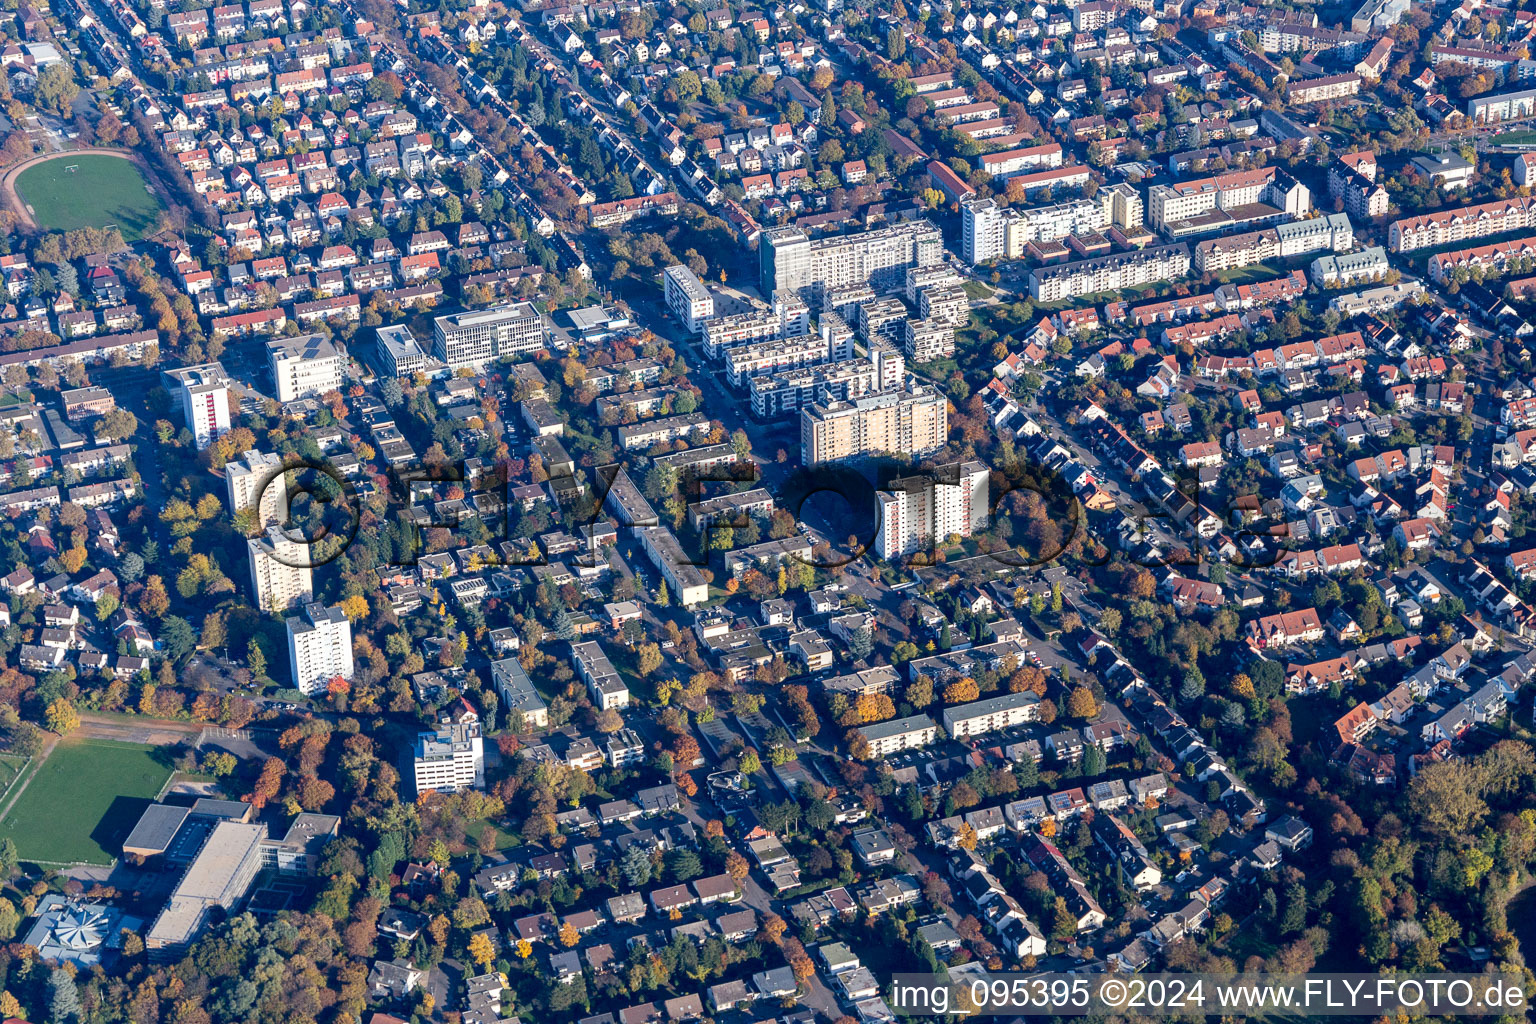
(983, 230)
(919, 511)
(319, 647)
(258, 477)
(202, 392)
(1123, 206)
(280, 574)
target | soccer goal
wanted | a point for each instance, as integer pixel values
(71, 168)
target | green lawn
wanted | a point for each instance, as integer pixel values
(10, 767)
(83, 801)
(1521, 138)
(101, 192)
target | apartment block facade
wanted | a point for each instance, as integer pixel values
(790, 261)
(913, 420)
(319, 648)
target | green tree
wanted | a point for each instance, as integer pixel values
(1094, 761)
(63, 996)
(55, 91)
(255, 658)
(636, 866)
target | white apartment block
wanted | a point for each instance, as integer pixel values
(1295, 238)
(1442, 227)
(787, 317)
(1506, 106)
(883, 369)
(887, 738)
(880, 320)
(1010, 162)
(946, 304)
(687, 297)
(993, 713)
(280, 574)
(790, 261)
(846, 300)
(1346, 269)
(258, 477)
(1109, 273)
(319, 647)
(1328, 87)
(603, 680)
(1170, 208)
(919, 511)
(450, 759)
(1123, 206)
(518, 694)
(920, 279)
(474, 338)
(305, 366)
(989, 231)
(913, 421)
(1289, 36)
(747, 361)
(927, 340)
(1185, 199)
(203, 394)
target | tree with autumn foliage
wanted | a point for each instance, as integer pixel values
(268, 784)
(1082, 703)
(481, 951)
(961, 691)
(62, 718)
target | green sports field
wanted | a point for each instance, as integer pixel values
(84, 801)
(102, 191)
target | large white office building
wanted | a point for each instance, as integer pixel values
(319, 648)
(217, 879)
(475, 338)
(305, 366)
(397, 353)
(450, 759)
